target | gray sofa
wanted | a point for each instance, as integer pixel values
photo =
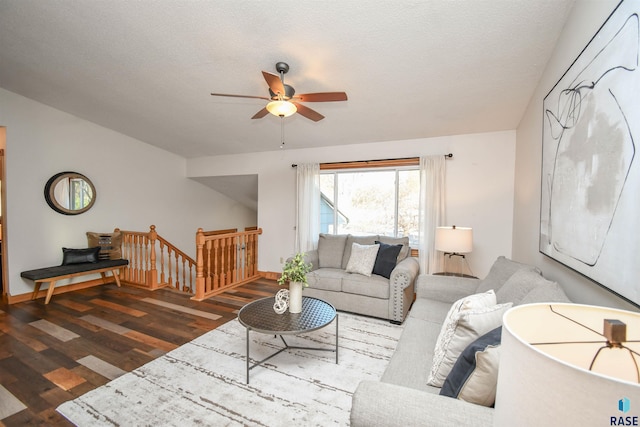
(375, 295)
(402, 396)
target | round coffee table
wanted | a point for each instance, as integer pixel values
(259, 316)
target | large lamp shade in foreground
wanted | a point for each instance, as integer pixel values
(570, 365)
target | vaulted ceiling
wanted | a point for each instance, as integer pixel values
(411, 69)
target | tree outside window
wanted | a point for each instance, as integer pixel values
(369, 202)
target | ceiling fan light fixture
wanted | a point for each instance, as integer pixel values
(281, 108)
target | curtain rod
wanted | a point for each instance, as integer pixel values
(447, 156)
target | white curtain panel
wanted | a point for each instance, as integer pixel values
(432, 210)
(308, 207)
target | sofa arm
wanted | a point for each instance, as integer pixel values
(445, 288)
(402, 288)
(404, 274)
(378, 404)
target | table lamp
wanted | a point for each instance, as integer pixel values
(454, 241)
(568, 364)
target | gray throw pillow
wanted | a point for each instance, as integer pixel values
(331, 250)
(501, 270)
(519, 285)
(546, 292)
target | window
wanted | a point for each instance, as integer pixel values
(80, 193)
(382, 201)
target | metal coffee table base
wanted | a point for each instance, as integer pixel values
(288, 347)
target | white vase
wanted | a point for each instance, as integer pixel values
(295, 297)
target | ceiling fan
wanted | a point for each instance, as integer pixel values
(283, 100)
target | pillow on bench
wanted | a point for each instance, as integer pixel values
(80, 256)
(110, 244)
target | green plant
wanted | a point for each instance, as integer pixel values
(295, 270)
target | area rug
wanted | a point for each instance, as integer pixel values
(204, 381)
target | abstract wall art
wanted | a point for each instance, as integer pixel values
(590, 194)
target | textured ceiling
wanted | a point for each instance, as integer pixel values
(411, 69)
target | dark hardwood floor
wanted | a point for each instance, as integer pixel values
(81, 340)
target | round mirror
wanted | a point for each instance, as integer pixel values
(70, 193)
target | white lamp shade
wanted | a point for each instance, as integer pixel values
(454, 239)
(281, 108)
(546, 383)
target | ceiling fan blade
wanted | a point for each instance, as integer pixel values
(240, 96)
(308, 112)
(321, 97)
(260, 114)
(274, 82)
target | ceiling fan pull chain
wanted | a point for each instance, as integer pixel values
(281, 132)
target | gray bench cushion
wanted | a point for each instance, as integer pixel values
(63, 270)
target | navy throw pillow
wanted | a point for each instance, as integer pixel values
(386, 259)
(465, 366)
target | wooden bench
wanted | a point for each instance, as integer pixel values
(52, 274)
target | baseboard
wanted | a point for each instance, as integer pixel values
(271, 275)
(13, 299)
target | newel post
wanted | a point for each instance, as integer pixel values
(199, 265)
(152, 274)
(121, 271)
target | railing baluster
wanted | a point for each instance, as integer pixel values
(216, 265)
(228, 257)
(162, 279)
(224, 259)
(211, 273)
(143, 249)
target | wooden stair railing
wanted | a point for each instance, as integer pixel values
(224, 261)
(155, 263)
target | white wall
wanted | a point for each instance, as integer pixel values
(479, 188)
(136, 184)
(584, 21)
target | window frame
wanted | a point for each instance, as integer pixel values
(395, 165)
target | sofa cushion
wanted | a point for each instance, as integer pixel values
(386, 259)
(409, 366)
(474, 377)
(80, 256)
(519, 285)
(501, 270)
(430, 310)
(404, 241)
(372, 286)
(469, 325)
(331, 250)
(362, 259)
(362, 240)
(546, 292)
(328, 279)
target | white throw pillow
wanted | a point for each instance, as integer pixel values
(456, 335)
(362, 259)
(475, 301)
(480, 387)
(484, 299)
